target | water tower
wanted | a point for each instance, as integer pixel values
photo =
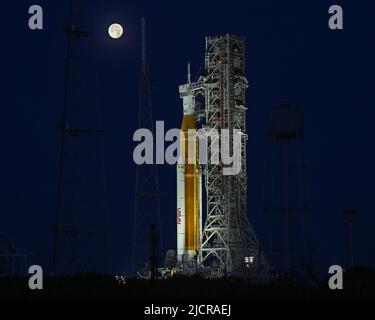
(285, 196)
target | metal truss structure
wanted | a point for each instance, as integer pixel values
(11, 262)
(229, 245)
(81, 233)
(147, 201)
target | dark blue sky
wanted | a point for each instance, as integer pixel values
(291, 54)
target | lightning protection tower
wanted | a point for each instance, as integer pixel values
(229, 245)
(81, 232)
(147, 202)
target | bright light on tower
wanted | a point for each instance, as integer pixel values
(249, 261)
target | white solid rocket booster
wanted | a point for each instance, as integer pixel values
(189, 190)
(180, 211)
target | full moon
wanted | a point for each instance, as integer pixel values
(115, 31)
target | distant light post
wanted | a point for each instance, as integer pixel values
(349, 213)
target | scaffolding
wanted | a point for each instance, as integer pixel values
(229, 245)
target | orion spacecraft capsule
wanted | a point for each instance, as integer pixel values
(189, 183)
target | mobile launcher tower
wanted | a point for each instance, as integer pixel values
(227, 245)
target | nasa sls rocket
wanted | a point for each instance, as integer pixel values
(189, 184)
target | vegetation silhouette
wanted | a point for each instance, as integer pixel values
(359, 283)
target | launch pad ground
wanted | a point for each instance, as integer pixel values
(359, 283)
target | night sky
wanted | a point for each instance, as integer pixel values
(292, 55)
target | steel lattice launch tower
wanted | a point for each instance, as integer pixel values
(189, 184)
(227, 245)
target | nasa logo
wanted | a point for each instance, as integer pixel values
(179, 216)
